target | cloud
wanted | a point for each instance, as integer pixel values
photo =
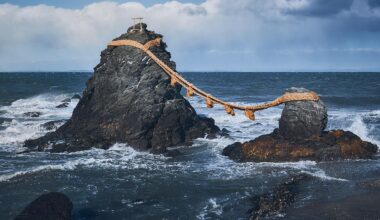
(319, 7)
(214, 35)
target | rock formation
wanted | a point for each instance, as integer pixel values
(129, 99)
(276, 202)
(301, 136)
(53, 205)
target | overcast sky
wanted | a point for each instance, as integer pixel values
(202, 35)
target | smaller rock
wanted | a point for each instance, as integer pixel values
(76, 96)
(66, 100)
(49, 206)
(302, 119)
(52, 125)
(32, 114)
(63, 105)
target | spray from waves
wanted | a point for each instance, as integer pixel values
(361, 123)
(20, 127)
(211, 207)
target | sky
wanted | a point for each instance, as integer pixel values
(202, 35)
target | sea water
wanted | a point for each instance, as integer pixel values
(121, 183)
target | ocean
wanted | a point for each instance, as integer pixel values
(121, 183)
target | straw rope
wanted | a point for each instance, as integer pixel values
(176, 78)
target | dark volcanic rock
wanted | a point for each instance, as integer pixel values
(302, 119)
(129, 99)
(276, 202)
(301, 137)
(53, 205)
(32, 114)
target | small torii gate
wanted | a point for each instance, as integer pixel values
(137, 20)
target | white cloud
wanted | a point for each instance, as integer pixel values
(200, 36)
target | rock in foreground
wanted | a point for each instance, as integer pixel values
(301, 136)
(129, 99)
(54, 206)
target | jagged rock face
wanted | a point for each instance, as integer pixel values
(301, 136)
(129, 99)
(302, 119)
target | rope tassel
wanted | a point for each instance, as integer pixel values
(209, 103)
(229, 110)
(189, 92)
(250, 114)
(173, 81)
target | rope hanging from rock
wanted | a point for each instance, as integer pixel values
(176, 78)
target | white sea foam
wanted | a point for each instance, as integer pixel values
(211, 207)
(21, 128)
(120, 156)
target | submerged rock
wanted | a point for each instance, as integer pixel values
(32, 114)
(63, 105)
(129, 99)
(301, 136)
(53, 205)
(275, 203)
(51, 125)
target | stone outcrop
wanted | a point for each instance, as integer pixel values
(301, 136)
(53, 205)
(129, 99)
(276, 202)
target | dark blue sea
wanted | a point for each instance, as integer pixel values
(121, 183)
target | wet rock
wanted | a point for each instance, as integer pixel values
(53, 205)
(301, 137)
(63, 105)
(129, 99)
(331, 145)
(275, 203)
(302, 119)
(52, 125)
(32, 114)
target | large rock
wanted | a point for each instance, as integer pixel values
(129, 99)
(301, 137)
(49, 206)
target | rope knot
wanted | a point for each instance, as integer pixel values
(229, 110)
(190, 91)
(209, 102)
(250, 114)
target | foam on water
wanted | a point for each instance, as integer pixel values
(120, 156)
(21, 128)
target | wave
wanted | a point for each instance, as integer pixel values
(18, 127)
(203, 158)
